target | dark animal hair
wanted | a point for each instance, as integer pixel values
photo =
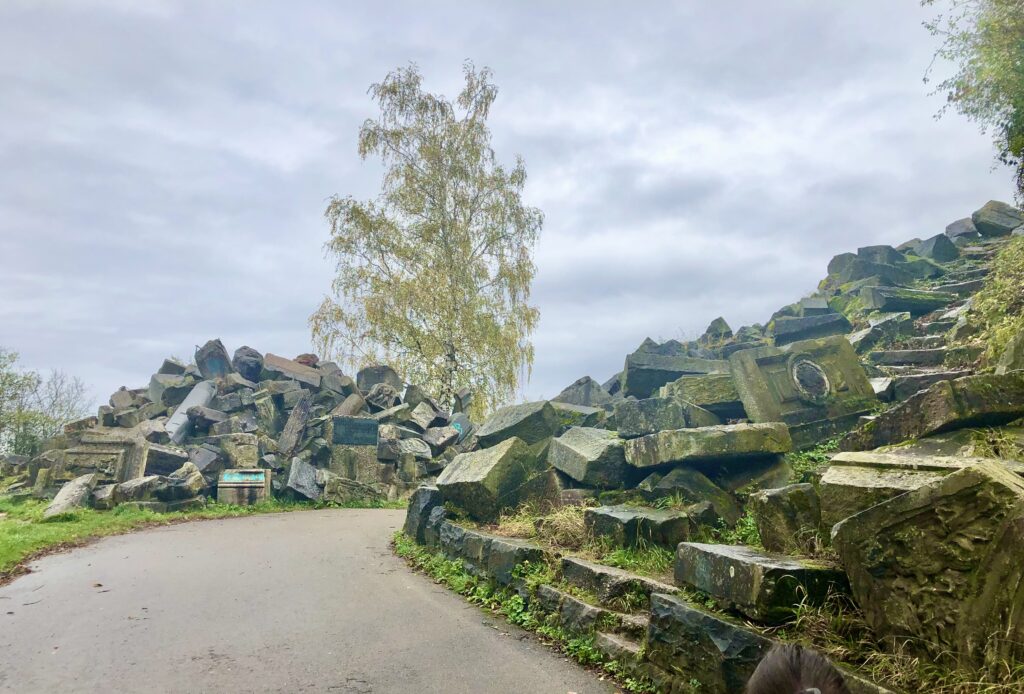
(795, 670)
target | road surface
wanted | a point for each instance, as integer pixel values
(294, 602)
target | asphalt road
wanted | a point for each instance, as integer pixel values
(295, 602)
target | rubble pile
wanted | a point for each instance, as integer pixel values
(249, 425)
(912, 519)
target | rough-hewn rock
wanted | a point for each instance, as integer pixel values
(963, 229)
(370, 376)
(74, 494)
(997, 219)
(982, 400)
(248, 363)
(917, 302)
(693, 487)
(719, 654)
(531, 422)
(485, 482)
(635, 418)
(628, 526)
(728, 442)
(938, 568)
(421, 503)
(302, 479)
(593, 457)
(788, 518)
(275, 367)
(652, 366)
(938, 248)
(213, 360)
(793, 329)
(586, 391)
(715, 393)
(764, 587)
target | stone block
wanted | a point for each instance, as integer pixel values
(717, 653)
(370, 376)
(302, 479)
(421, 503)
(648, 370)
(906, 385)
(997, 219)
(248, 363)
(531, 422)
(793, 329)
(765, 587)
(440, 438)
(916, 302)
(635, 418)
(963, 229)
(170, 390)
(981, 400)
(816, 387)
(350, 406)
(240, 450)
(938, 568)
(629, 526)
(693, 487)
(938, 248)
(505, 554)
(606, 582)
(213, 361)
(485, 482)
(788, 518)
(357, 463)
(586, 391)
(593, 457)
(579, 415)
(278, 368)
(723, 443)
(73, 495)
(163, 460)
(715, 393)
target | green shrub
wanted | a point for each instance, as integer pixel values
(998, 309)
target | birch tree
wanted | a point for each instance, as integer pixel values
(433, 275)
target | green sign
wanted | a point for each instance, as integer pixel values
(257, 476)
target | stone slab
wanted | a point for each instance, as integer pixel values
(727, 442)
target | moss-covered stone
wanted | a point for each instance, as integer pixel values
(593, 457)
(764, 587)
(530, 422)
(981, 400)
(938, 569)
(787, 518)
(485, 482)
(728, 442)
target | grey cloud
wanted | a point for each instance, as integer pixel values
(692, 160)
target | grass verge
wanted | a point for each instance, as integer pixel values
(514, 608)
(25, 534)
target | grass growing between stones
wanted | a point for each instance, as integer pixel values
(838, 630)
(24, 533)
(807, 464)
(514, 608)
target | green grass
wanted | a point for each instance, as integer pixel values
(650, 560)
(515, 609)
(807, 463)
(24, 532)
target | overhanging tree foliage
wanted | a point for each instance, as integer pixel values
(984, 40)
(433, 276)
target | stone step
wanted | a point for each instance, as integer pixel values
(578, 616)
(628, 526)
(917, 302)
(617, 647)
(908, 357)
(764, 587)
(926, 342)
(964, 288)
(937, 327)
(611, 585)
(904, 386)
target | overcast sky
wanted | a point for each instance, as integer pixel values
(165, 165)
